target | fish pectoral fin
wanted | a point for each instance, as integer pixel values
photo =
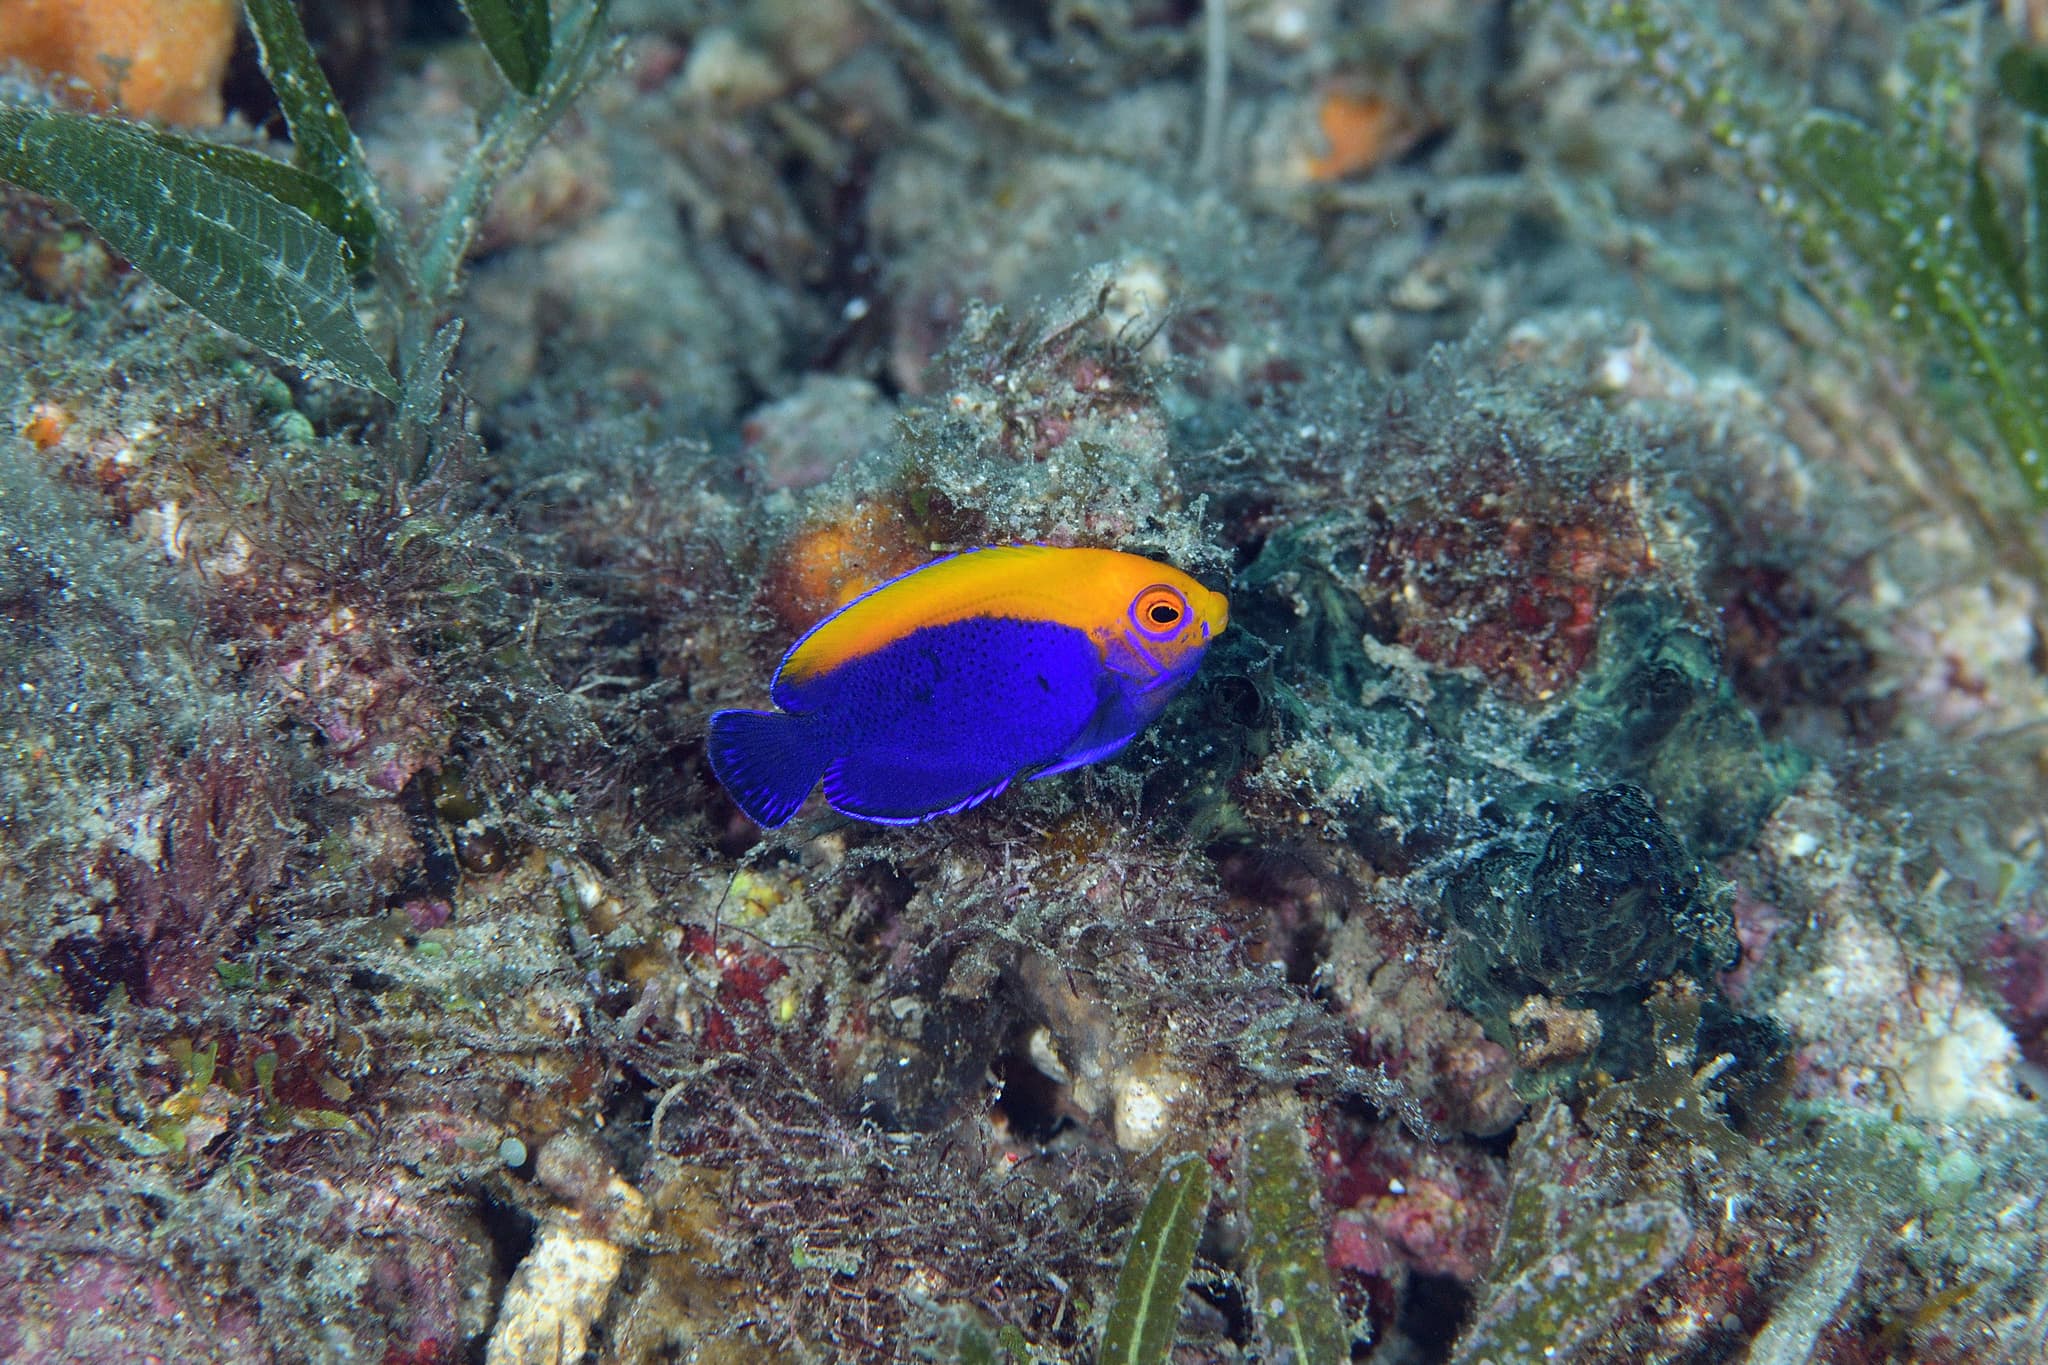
(1125, 658)
(1084, 757)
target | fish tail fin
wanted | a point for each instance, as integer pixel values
(768, 761)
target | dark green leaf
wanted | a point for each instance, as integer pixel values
(1987, 221)
(1146, 1312)
(2023, 76)
(1940, 92)
(516, 34)
(507, 138)
(321, 138)
(426, 385)
(203, 1062)
(2037, 223)
(307, 193)
(250, 262)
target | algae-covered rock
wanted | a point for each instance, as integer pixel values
(1613, 903)
(1659, 710)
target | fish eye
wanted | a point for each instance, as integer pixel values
(1159, 610)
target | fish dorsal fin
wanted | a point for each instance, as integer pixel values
(1024, 582)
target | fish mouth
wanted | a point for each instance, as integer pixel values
(1214, 612)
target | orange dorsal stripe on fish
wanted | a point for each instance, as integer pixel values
(1089, 590)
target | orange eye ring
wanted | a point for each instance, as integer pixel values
(1159, 612)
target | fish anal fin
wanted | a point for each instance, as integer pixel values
(895, 794)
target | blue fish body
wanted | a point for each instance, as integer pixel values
(915, 708)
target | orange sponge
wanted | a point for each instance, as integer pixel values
(839, 555)
(1359, 128)
(156, 59)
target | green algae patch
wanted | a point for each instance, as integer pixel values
(1146, 1311)
(1555, 1305)
(1556, 1282)
(1290, 1279)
